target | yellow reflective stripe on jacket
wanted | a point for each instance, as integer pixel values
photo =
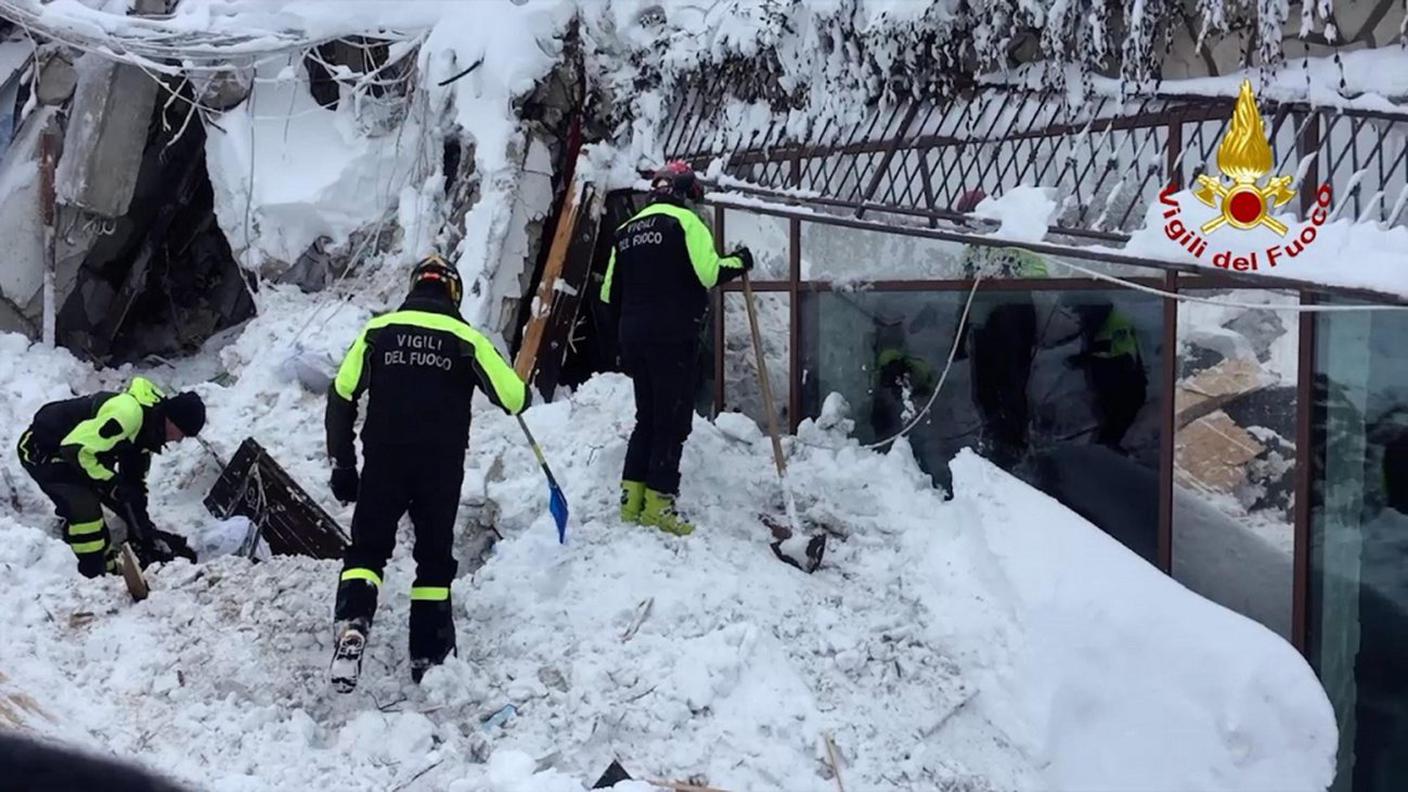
(698, 241)
(610, 274)
(361, 573)
(94, 546)
(87, 435)
(1119, 332)
(145, 392)
(349, 375)
(430, 593)
(85, 528)
(508, 388)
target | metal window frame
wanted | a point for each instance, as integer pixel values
(1171, 280)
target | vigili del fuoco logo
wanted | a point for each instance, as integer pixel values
(1245, 202)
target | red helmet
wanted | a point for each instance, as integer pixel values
(677, 179)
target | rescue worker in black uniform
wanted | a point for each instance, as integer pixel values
(663, 263)
(419, 366)
(94, 451)
(1114, 370)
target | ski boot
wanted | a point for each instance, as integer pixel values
(660, 513)
(346, 664)
(632, 501)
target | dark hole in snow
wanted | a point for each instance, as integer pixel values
(162, 279)
(360, 55)
(450, 164)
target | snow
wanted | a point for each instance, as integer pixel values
(1340, 252)
(1024, 213)
(315, 173)
(995, 641)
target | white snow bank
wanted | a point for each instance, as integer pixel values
(1119, 679)
(288, 173)
(992, 642)
(314, 172)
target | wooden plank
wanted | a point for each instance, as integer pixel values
(569, 294)
(253, 485)
(542, 301)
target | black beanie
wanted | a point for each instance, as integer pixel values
(187, 411)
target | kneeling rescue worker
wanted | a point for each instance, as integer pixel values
(663, 264)
(94, 451)
(419, 366)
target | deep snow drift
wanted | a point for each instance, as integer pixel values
(995, 641)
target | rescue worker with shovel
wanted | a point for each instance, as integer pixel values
(663, 264)
(94, 451)
(419, 366)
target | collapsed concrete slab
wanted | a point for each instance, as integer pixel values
(106, 136)
(22, 227)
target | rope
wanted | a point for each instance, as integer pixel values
(1183, 297)
(948, 364)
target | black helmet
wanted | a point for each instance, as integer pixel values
(677, 180)
(433, 269)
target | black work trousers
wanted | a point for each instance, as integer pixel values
(1002, 367)
(664, 374)
(424, 481)
(78, 502)
(1119, 386)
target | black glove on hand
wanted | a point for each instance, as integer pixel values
(173, 545)
(746, 256)
(130, 493)
(344, 484)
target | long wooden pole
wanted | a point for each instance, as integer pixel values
(766, 386)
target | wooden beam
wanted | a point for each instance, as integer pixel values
(542, 301)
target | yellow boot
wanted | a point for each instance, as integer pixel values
(632, 499)
(660, 513)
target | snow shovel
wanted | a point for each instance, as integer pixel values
(816, 546)
(557, 502)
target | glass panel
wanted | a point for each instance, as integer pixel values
(765, 236)
(844, 255)
(1358, 594)
(742, 392)
(1234, 452)
(838, 254)
(1061, 388)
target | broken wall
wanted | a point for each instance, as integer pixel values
(22, 227)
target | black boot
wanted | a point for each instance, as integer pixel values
(432, 635)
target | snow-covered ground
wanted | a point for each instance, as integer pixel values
(995, 641)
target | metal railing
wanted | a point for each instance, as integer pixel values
(1106, 158)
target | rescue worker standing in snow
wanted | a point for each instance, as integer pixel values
(94, 451)
(1114, 370)
(663, 263)
(419, 366)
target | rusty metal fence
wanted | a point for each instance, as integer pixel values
(1107, 158)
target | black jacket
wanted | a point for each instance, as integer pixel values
(663, 263)
(107, 436)
(419, 365)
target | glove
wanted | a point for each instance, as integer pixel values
(158, 546)
(130, 493)
(344, 484)
(746, 256)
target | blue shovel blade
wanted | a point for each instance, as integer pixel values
(557, 504)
